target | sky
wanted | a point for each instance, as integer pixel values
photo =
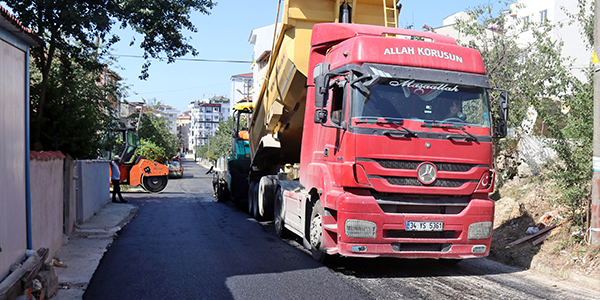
(223, 35)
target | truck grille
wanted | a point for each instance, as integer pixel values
(421, 247)
(412, 165)
(450, 183)
(421, 204)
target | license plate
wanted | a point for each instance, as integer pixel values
(424, 225)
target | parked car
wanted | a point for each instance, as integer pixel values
(175, 169)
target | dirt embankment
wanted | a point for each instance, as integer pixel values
(526, 206)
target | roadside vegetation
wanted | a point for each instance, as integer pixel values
(70, 110)
(157, 143)
(537, 77)
(540, 81)
(219, 145)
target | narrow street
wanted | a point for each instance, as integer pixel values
(184, 245)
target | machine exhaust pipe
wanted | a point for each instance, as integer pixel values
(345, 13)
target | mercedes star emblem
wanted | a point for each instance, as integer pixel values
(426, 173)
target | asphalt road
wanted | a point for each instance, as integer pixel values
(184, 245)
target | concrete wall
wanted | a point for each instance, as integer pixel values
(47, 190)
(13, 154)
(93, 185)
(69, 196)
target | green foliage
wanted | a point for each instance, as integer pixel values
(77, 108)
(573, 132)
(155, 129)
(537, 76)
(219, 145)
(78, 35)
(152, 151)
(529, 71)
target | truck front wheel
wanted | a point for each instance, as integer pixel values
(316, 234)
(279, 215)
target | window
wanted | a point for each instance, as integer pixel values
(526, 23)
(543, 16)
(399, 100)
(337, 115)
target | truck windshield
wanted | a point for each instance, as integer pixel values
(401, 99)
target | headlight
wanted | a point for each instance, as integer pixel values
(480, 231)
(361, 229)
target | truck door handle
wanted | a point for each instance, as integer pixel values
(399, 133)
(461, 137)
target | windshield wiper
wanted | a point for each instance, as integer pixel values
(399, 123)
(448, 125)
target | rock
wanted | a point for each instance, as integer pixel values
(524, 170)
(547, 218)
(49, 280)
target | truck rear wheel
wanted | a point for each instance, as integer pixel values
(279, 214)
(266, 196)
(316, 234)
(252, 190)
(154, 184)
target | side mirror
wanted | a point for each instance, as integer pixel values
(502, 129)
(321, 116)
(503, 105)
(321, 80)
(501, 125)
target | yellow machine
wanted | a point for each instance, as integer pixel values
(279, 110)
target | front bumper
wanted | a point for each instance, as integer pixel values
(393, 240)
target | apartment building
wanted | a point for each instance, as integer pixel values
(205, 117)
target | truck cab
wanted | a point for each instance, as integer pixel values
(376, 141)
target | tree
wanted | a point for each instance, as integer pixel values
(533, 72)
(154, 131)
(220, 143)
(78, 108)
(80, 31)
(537, 76)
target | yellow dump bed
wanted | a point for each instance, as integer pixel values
(276, 127)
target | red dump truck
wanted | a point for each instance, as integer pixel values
(373, 141)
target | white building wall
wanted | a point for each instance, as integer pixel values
(574, 45)
(205, 117)
(449, 28)
(240, 86)
(262, 39)
(13, 224)
(171, 114)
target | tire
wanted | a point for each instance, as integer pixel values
(279, 215)
(255, 209)
(315, 237)
(154, 184)
(251, 197)
(266, 196)
(222, 192)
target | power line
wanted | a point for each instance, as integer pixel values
(192, 59)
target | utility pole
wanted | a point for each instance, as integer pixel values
(594, 230)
